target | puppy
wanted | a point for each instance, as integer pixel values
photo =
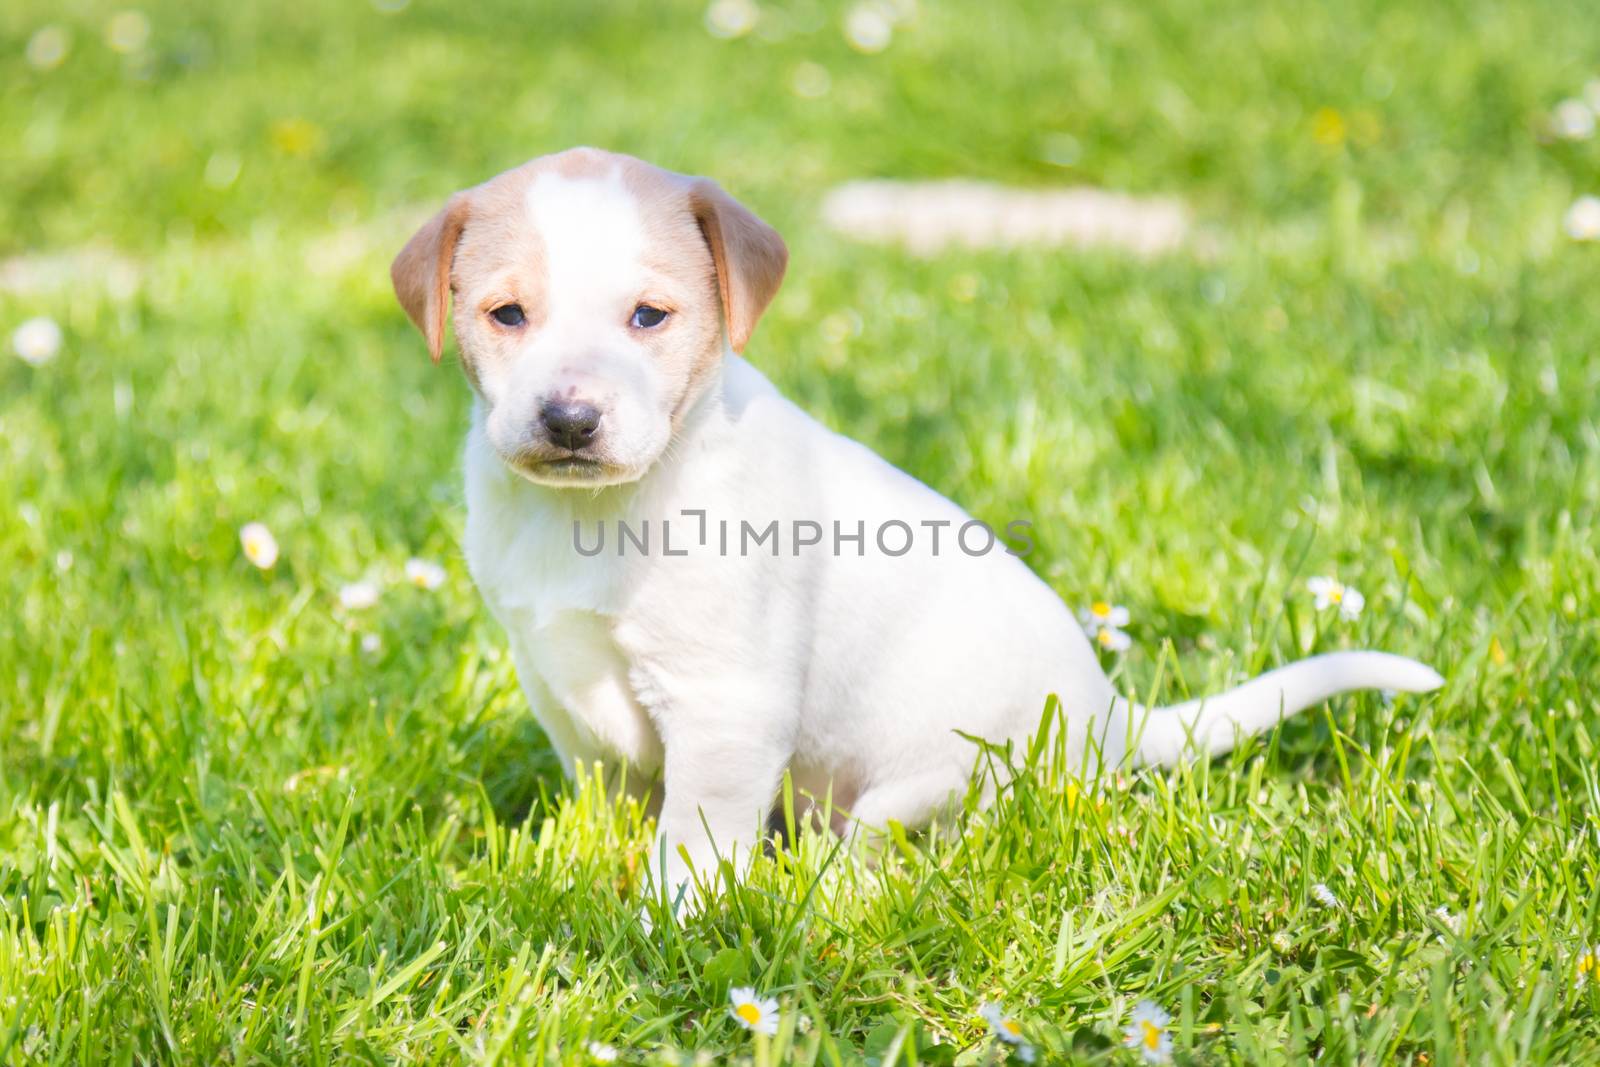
(700, 581)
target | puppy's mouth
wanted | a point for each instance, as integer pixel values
(568, 469)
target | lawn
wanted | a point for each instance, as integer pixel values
(242, 821)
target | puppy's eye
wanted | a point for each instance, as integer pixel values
(645, 316)
(508, 315)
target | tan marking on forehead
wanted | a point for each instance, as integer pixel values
(674, 242)
(502, 248)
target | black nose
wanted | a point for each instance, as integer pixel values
(570, 425)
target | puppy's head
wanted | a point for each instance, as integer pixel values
(594, 296)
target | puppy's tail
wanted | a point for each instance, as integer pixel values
(1211, 725)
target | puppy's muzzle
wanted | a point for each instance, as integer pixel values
(572, 425)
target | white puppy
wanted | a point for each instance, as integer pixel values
(766, 595)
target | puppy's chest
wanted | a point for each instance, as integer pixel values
(561, 612)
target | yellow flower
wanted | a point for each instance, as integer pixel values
(296, 136)
(1328, 127)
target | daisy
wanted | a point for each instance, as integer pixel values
(260, 547)
(1451, 922)
(1330, 592)
(48, 47)
(601, 1052)
(1101, 614)
(1147, 1032)
(371, 644)
(424, 573)
(1005, 1027)
(731, 18)
(1582, 222)
(37, 341)
(127, 32)
(1103, 623)
(357, 596)
(1112, 640)
(1588, 965)
(1324, 895)
(810, 81)
(1572, 120)
(868, 28)
(759, 1014)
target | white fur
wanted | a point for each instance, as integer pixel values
(712, 674)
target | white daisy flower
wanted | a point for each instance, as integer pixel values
(1583, 219)
(600, 1052)
(869, 28)
(1324, 895)
(1103, 622)
(1112, 639)
(1330, 592)
(1572, 121)
(731, 18)
(1588, 965)
(127, 31)
(1147, 1032)
(1101, 614)
(1003, 1026)
(424, 573)
(371, 644)
(260, 547)
(48, 47)
(810, 81)
(37, 341)
(755, 1013)
(358, 596)
(1451, 921)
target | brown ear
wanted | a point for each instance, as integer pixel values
(749, 256)
(421, 272)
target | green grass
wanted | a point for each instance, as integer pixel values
(229, 835)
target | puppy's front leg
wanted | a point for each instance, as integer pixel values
(725, 756)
